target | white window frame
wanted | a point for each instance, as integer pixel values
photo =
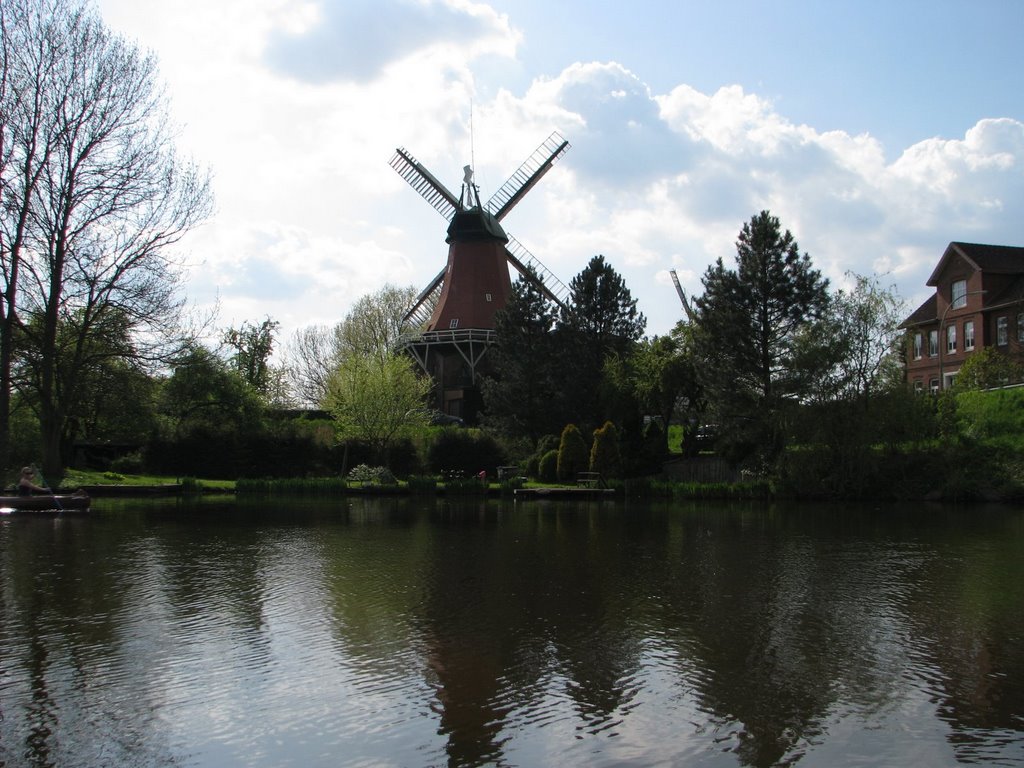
(958, 294)
(968, 335)
(933, 343)
(918, 345)
(933, 385)
(1002, 333)
(951, 339)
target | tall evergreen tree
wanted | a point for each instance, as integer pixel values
(521, 396)
(750, 325)
(602, 320)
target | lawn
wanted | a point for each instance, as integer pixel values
(74, 478)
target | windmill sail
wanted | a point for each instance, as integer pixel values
(527, 176)
(530, 267)
(682, 295)
(423, 181)
(423, 307)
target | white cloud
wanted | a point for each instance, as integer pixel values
(298, 106)
(357, 40)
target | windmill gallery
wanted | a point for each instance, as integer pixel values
(454, 314)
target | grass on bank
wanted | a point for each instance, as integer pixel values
(75, 478)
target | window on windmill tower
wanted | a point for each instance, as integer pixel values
(487, 296)
(454, 324)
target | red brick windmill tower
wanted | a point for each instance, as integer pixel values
(452, 320)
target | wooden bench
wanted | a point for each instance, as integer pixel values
(588, 479)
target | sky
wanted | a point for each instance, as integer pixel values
(876, 131)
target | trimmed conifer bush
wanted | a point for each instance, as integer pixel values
(604, 453)
(547, 467)
(573, 454)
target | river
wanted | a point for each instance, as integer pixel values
(423, 632)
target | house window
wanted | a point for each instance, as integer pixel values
(918, 346)
(950, 339)
(918, 387)
(933, 343)
(1020, 326)
(454, 324)
(1001, 332)
(968, 335)
(959, 294)
(933, 386)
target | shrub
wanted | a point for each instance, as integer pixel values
(604, 453)
(467, 451)
(573, 455)
(422, 483)
(129, 464)
(547, 467)
(548, 443)
(465, 485)
(371, 475)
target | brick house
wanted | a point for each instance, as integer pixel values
(978, 303)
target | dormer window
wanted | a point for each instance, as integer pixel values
(959, 294)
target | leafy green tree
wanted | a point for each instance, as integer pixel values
(203, 391)
(862, 332)
(750, 329)
(377, 400)
(100, 389)
(521, 393)
(252, 347)
(660, 379)
(211, 420)
(573, 454)
(856, 352)
(988, 368)
(372, 326)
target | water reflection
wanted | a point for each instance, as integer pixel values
(410, 632)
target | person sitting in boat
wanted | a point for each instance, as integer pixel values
(26, 483)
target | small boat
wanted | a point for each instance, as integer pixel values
(53, 504)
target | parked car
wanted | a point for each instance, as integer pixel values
(441, 419)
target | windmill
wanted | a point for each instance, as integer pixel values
(453, 317)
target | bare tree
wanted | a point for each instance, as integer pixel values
(97, 202)
(374, 324)
(310, 357)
